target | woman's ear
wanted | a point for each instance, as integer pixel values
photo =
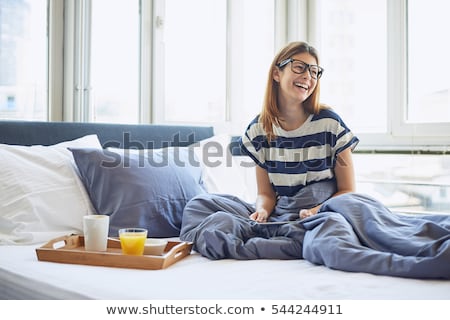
(276, 74)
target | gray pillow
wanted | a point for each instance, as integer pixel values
(148, 189)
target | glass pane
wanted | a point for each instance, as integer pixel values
(353, 51)
(195, 60)
(23, 59)
(115, 60)
(254, 48)
(428, 92)
(406, 182)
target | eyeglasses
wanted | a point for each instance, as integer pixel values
(299, 67)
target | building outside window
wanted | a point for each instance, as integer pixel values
(23, 59)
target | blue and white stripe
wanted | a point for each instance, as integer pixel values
(302, 156)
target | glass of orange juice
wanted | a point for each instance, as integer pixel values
(132, 240)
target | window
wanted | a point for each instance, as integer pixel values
(374, 54)
(212, 61)
(138, 61)
(206, 62)
(23, 59)
(193, 62)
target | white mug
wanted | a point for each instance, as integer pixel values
(95, 229)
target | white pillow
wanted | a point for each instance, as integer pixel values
(41, 194)
(222, 172)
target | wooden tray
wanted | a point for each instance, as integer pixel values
(70, 249)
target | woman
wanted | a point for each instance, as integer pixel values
(303, 154)
(296, 140)
(304, 167)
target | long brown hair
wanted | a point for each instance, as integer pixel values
(270, 112)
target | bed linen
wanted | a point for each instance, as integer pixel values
(22, 276)
(351, 232)
(354, 232)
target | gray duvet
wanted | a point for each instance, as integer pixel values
(351, 232)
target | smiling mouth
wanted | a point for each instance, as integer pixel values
(301, 85)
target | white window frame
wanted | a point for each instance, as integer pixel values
(76, 87)
(55, 60)
(425, 135)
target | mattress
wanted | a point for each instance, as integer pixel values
(22, 276)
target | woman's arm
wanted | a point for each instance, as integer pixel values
(266, 199)
(345, 179)
(344, 172)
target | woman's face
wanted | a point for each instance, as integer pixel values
(295, 88)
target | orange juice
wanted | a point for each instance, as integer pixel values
(132, 241)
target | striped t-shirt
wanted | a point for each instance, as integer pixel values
(302, 156)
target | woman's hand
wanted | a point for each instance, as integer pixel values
(260, 215)
(305, 213)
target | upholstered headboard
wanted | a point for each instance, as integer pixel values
(139, 136)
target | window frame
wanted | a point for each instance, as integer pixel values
(55, 60)
(425, 135)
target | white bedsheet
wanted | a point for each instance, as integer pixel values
(22, 276)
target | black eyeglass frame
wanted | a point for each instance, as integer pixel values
(307, 67)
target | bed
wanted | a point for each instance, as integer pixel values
(22, 276)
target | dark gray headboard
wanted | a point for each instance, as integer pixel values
(139, 136)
